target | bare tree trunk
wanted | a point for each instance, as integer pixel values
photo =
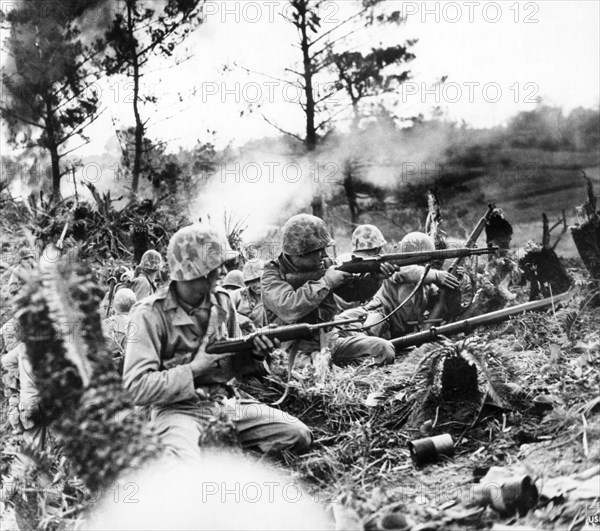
(311, 133)
(139, 126)
(52, 145)
(545, 231)
(139, 134)
(310, 140)
(351, 193)
(587, 235)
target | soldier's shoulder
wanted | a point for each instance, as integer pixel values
(223, 296)
(151, 301)
(139, 280)
(222, 292)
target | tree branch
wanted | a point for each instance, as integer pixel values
(325, 122)
(323, 35)
(89, 120)
(286, 81)
(20, 118)
(280, 129)
(74, 149)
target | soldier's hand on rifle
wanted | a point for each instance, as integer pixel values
(203, 363)
(336, 277)
(448, 280)
(386, 270)
(263, 346)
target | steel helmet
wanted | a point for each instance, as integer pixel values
(253, 270)
(417, 242)
(151, 260)
(366, 237)
(233, 279)
(305, 233)
(124, 300)
(195, 251)
(26, 252)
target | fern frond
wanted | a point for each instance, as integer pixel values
(477, 355)
(429, 350)
(567, 318)
(64, 315)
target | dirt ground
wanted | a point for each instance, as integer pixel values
(546, 366)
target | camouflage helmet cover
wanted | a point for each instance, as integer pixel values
(151, 260)
(26, 252)
(305, 233)
(124, 300)
(415, 242)
(367, 237)
(196, 250)
(253, 269)
(234, 279)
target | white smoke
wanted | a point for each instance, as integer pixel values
(220, 491)
(263, 186)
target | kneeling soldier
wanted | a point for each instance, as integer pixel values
(166, 365)
(305, 239)
(400, 285)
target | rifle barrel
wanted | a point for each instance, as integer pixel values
(358, 264)
(498, 316)
(284, 333)
(336, 323)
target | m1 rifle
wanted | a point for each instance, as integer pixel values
(282, 333)
(441, 307)
(466, 325)
(372, 264)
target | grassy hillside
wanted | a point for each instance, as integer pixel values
(523, 182)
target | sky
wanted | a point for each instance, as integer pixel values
(499, 58)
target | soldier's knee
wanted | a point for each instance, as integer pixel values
(302, 437)
(384, 352)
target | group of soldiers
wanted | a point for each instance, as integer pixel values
(164, 331)
(19, 384)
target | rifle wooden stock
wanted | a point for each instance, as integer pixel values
(465, 325)
(372, 264)
(282, 333)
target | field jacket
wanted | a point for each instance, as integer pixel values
(162, 340)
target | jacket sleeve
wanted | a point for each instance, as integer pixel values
(142, 374)
(412, 274)
(235, 297)
(141, 288)
(361, 288)
(291, 304)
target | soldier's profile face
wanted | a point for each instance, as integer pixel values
(192, 291)
(310, 261)
(368, 252)
(254, 286)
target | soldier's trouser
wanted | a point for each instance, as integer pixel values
(356, 348)
(258, 425)
(348, 348)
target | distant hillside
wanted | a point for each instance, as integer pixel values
(523, 182)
